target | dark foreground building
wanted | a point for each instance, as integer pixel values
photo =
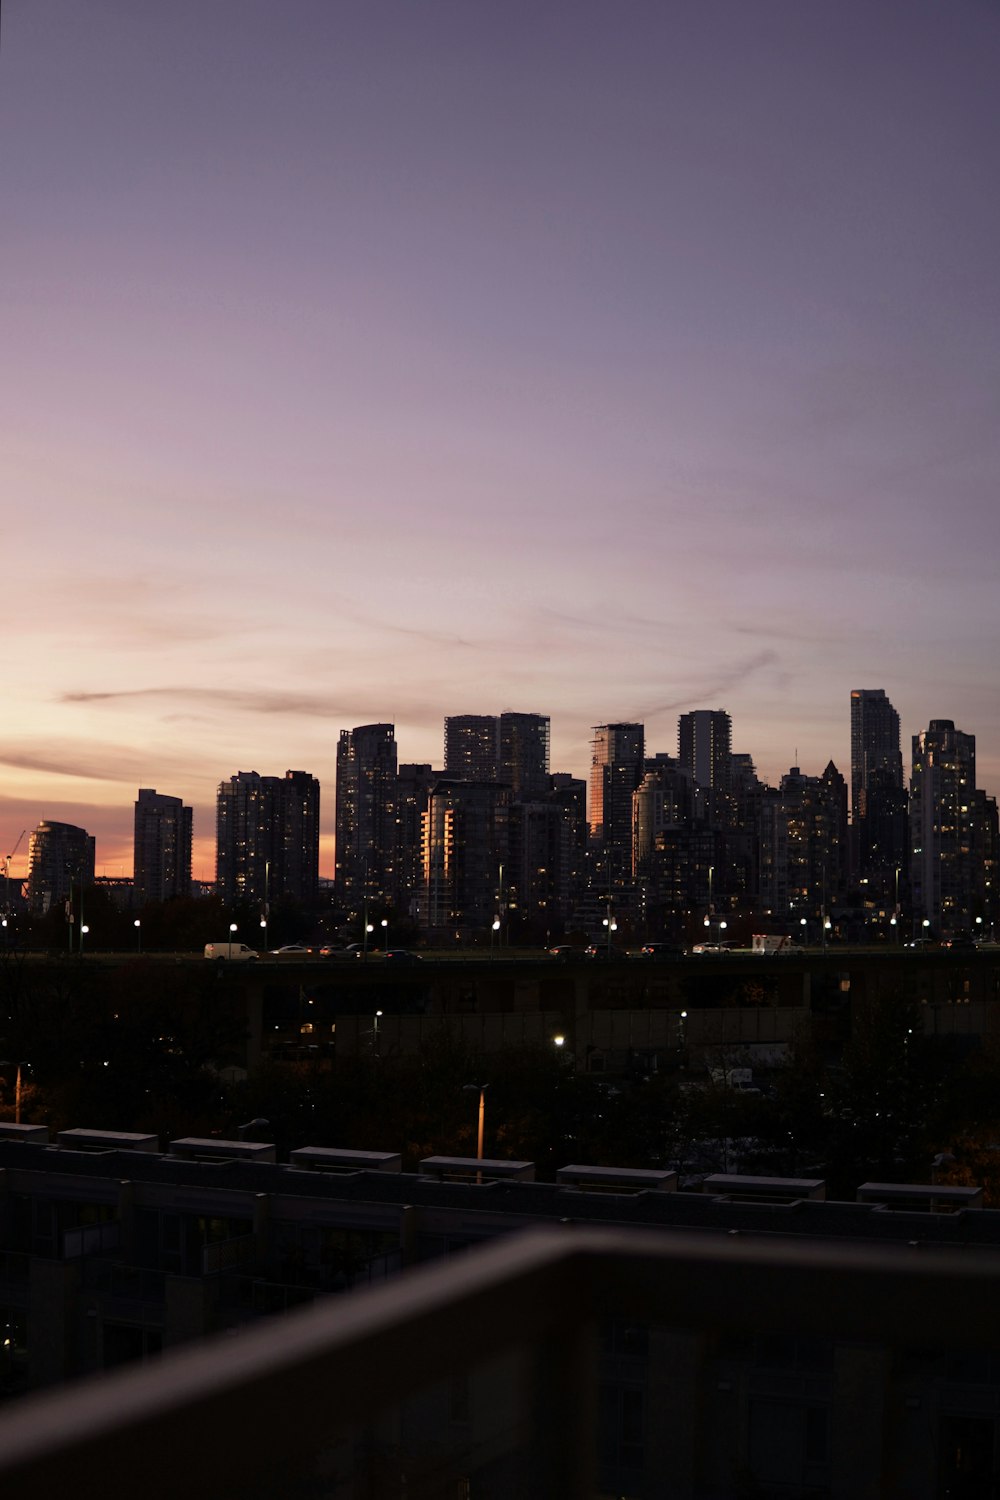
(747, 1339)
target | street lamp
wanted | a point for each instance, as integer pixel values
(471, 1088)
(369, 927)
(375, 1033)
(84, 929)
(137, 924)
(493, 933)
(232, 929)
(384, 924)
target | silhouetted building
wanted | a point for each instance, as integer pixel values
(60, 856)
(616, 769)
(664, 799)
(297, 875)
(366, 815)
(704, 747)
(943, 868)
(803, 844)
(161, 867)
(414, 784)
(267, 838)
(876, 780)
(471, 747)
(465, 848)
(524, 755)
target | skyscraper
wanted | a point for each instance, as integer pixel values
(267, 838)
(616, 769)
(365, 815)
(876, 777)
(465, 845)
(523, 761)
(161, 860)
(944, 878)
(704, 747)
(60, 856)
(297, 874)
(471, 747)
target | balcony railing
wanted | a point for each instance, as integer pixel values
(246, 1415)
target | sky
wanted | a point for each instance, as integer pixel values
(377, 360)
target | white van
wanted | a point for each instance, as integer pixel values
(235, 951)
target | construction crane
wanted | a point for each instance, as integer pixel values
(6, 868)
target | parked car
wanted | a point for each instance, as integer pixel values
(660, 950)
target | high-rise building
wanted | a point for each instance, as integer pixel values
(161, 861)
(471, 747)
(704, 747)
(878, 797)
(523, 762)
(616, 769)
(297, 876)
(414, 784)
(267, 838)
(803, 840)
(944, 877)
(465, 847)
(664, 799)
(60, 858)
(365, 816)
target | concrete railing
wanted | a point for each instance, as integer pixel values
(245, 1416)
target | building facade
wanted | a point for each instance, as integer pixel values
(944, 877)
(61, 858)
(878, 796)
(616, 769)
(161, 868)
(267, 839)
(365, 816)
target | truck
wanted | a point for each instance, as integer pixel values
(230, 952)
(770, 942)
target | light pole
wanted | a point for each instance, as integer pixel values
(471, 1088)
(375, 1032)
(804, 923)
(137, 924)
(369, 928)
(384, 924)
(232, 929)
(493, 932)
(84, 929)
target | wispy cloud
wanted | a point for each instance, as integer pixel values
(710, 688)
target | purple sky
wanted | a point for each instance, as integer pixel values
(372, 360)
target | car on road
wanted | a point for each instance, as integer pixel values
(565, 951)
(401, 956)
(291, 950)
(599, 951)
(660, 950)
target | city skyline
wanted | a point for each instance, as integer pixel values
(379, 363)
(205, 812)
